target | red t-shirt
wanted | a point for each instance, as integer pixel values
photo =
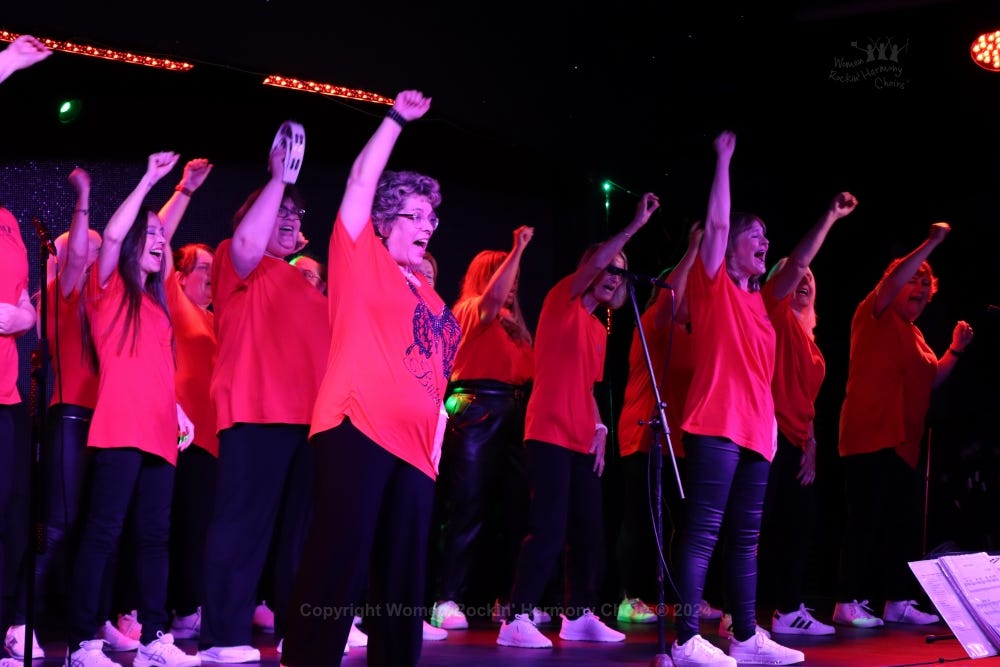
(673, 382)
(798, 372)
(273, 335)
(136, 404)
(194, 331)
(889, 381)
(730, 394)
(74, 379)
(13, 282)
(487, 352)
(391, 351)
(569, 358)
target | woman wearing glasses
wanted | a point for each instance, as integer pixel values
(264, 385)
(379, 419)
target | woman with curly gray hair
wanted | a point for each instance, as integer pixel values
(379, 420)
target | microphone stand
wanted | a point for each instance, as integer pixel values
(39, 377)
(658, 422)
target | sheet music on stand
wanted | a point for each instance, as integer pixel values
(965, 588)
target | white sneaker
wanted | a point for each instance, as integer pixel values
(699, 652)
(230, 654)
(187, 627)
(129, 625)
(855, 614)
(263, 618)
(707, 612)
(761, 650)
(905, 611)
(114, 639)
(522, 633)
(588, 628)
(14, 643)
(726, 627)
(356, 638)
(540, 617)
(634, 610)
(432, 634)
(449, 616)
(799, 622)
(163, 652)
(89, 655)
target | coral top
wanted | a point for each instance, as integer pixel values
(391, 351)
(273, 334)
(730, 394)
(487, 351)
(889, 382)
(194, 331)
(13, 282)
(798, 371)
(569, 358)
(136, 404)
(673, 376)
(74, 380)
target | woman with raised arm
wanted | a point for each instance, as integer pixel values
(379, 419)
(729, 428)
(483, 471)
(565, 441)
(790, 298)
(889, 381)
(136, 431)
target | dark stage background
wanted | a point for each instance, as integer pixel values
(529, 116)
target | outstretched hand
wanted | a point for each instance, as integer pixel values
(647, 205)
(522, 236)
(843, 204)
(961, 336)
(79, 179)
(411, 104)
(725, 144)
(939, 230)
(160, 164)
(25, 51)
(195, 173)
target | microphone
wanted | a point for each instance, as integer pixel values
(993, 310)
(637, 277)
(43, 235)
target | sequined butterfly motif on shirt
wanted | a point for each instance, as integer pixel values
(431, 331)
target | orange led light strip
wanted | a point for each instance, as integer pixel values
(107, 54)
(327, 89)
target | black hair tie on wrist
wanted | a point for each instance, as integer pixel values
(397, 117)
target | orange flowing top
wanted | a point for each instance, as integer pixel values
(74, 380)
(487, 351)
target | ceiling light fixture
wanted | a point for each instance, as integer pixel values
(985, 51)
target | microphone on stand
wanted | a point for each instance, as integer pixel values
(638, 277)
(43, 235)
(993, 310)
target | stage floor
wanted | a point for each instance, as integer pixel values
(891, 646)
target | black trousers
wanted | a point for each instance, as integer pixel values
(262, 491)
(370, 524)
(566, 510)
(482, 495)
(124, 482)
(194, 495)
(7, 541)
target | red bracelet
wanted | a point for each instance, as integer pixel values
(183, 190)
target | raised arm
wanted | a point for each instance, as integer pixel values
(23, 52)
(78, 241)
(254, 230)
(664, 307)
(716, 237)
(356, 206)
(158, 166)
(195, 173)
(502, 282)
(802, 256)
(608, 250)
(891, 285)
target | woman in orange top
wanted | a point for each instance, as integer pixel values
(669, 343)
(482, 459)
(889, 381)
(790, 298)
(729, 427)
(137, 428)
(379, 419)
(565, 442)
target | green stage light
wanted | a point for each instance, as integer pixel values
(69, 110)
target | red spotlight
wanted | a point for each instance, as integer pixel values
(985, 51)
